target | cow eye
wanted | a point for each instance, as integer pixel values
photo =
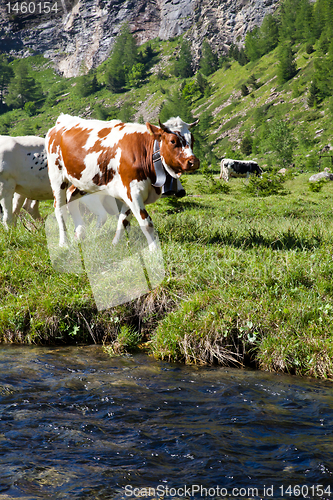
(173, 141)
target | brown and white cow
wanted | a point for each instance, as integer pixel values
(117, 157)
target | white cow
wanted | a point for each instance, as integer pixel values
(23, 174)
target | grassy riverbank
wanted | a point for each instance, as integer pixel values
(248, 282)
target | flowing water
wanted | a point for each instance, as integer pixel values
(78, 424)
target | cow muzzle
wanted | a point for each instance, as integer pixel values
(192, 163)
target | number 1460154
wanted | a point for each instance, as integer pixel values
(32, 7)
(317, 490)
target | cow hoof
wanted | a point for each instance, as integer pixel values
(153, 247)
(79, 233)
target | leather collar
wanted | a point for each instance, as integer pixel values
(158, 166)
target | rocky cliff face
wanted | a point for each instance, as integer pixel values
(80, 35)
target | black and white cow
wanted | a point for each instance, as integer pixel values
(238, 168)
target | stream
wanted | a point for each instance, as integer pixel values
(76, 423)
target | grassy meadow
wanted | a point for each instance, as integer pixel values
(248, 282)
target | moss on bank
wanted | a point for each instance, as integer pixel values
(248, 282)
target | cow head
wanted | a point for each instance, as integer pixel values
(176, 143)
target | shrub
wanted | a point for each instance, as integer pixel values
(30, 108)
(126, 112)
(312, 162)
(267, 185)
(316, 187)
(5, 123)
(246, 145)
(87, 85)
(244, 90)
(232, 123)
(136, 76)
(309, 48)
(210, 185)
(128, 338)
(253, 82)
(102, 113)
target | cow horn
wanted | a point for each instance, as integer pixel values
(163, 127)
(194, 123)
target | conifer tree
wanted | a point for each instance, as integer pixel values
(281, 140)
(269, 34)
(23, 87)
(313, 98)
(242, 59)
(244, 90)
(123, 57)
(318, 18)
(87, 85)
(176, 105)
(203, 84)
(6, 74)
(246, 144)
(183, 65)
(253, 48)
(208, 60)
(323, 19)
(288, 12)
(287, 68)
(304, 22)
(324, 74)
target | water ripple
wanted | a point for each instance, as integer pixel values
(75, 423)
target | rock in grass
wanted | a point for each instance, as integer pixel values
(321, 175)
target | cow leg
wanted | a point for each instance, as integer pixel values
(18, 200)
(123, 222)
(7, 189)
(72, 195)
(146, 224)
(59, 202)
(32, 207)
(225, 175)
(74, 210)
(94, 204)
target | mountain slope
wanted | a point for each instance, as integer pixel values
(233, 115)
(82, 37)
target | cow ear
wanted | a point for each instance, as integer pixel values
(154, 131)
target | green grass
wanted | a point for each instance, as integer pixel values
(248, 282)
(255, 281)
